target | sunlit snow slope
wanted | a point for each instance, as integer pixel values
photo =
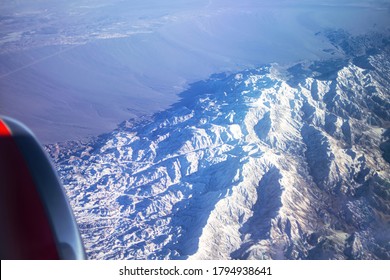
(268, 163)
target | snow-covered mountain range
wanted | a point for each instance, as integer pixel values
(269, 163)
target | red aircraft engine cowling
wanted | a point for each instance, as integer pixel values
(35, 217)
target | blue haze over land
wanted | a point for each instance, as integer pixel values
(72, 69)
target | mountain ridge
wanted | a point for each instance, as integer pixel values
(261, 164)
